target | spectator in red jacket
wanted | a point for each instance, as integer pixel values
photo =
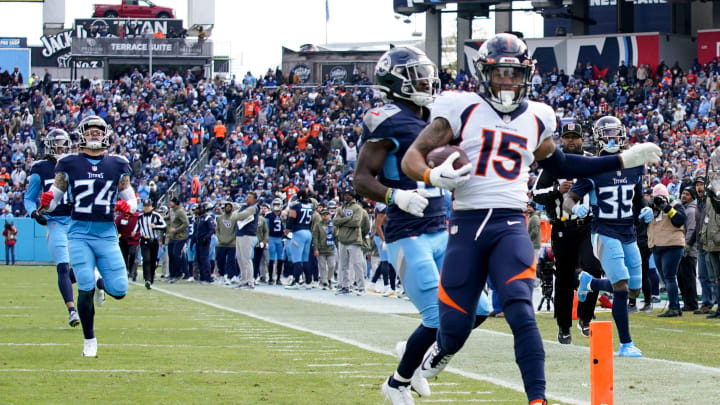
(127, 226)
(10, 234)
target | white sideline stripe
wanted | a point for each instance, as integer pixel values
(443, 383)
(461, 392)
(474, 376)
(587, 349)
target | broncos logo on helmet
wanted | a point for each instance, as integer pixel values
(407, 73)
(609, 133)
(93, 133)
(505, 71)
(57, 142)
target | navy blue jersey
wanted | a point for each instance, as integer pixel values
(42, 177)
(275, 225)
(304, 213)
(398, 124)
(93, 184)
(611, 198)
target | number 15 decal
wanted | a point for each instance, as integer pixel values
(510, 146)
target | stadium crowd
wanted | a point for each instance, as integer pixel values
(269, 136)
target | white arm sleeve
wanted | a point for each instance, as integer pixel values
(129, 195)
(57, 198)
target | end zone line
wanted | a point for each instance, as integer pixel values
(474, 376)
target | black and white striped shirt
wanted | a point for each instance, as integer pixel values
(146, 221)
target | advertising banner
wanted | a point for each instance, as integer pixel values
(708, 45)
(140, 47)
(13, 42)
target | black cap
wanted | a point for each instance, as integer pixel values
(175, 200)
(147, 202)
(572, 127)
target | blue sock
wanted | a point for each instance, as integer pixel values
(601, 284)
(86, 311)
(64, 282)
(529, 353)
(620, 315)
(417, 344)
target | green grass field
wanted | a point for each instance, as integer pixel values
(159, 349)
(197, 344)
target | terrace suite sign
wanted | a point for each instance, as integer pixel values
(140, 47)
(597, 3)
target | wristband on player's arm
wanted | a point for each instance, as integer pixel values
(426, 176)
(390, 196)
(564, 165)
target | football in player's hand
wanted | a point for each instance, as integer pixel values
(437, 156)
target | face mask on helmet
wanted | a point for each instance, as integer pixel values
(93, 133)
(57, 142)
(406, 73)
(504, 71)
(420, 81)
(610, 135)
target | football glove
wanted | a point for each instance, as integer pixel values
(46, 199)
(411, 201)
(445, 176)
(641, 154)
(580, 210)
(122, 206)
(39, 218)
(646, 214)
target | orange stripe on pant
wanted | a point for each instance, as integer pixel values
(445, 299)
(528, 273)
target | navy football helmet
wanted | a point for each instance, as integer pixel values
(57, 142)
(505, 71)
(609, 133)
(407, 73)
(86, 129)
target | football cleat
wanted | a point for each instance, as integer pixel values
(629, 350)
(397, 396)
(147, 285)
(584, 288)
(90, 348)
(292, 286)
(74, 319)
(434, 362)
(418, 383)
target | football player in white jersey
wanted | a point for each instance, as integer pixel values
(502, 133)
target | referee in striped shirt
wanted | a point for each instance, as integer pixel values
(150, 223)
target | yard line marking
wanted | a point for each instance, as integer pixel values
(671, 330)
(467, 400)
(330, 365)
(461, 392)
(364, 346)
(444, 383)
(348, 374)
(174, 346)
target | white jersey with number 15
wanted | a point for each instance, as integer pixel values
(499, 145)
